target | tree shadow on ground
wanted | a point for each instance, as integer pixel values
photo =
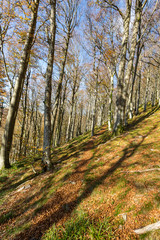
(135, 122)
(66, 202)
(9, 185)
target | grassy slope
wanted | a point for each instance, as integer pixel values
(89, 188)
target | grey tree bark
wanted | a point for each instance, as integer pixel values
(120, 101)
(48, 89)
(136, 26)
(138, 52)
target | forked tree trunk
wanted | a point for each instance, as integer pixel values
(138, 52)
(120, 101)
(13, 109)
(136, 27)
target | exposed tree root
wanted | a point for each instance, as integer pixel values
(141, 171)
(148, 228)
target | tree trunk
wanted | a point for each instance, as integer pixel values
(48, 89)
(146, 92)
(61, 115)
(120, 101)
(136, 26)
(138, 95)
(24, 114)
(1, 112)
(71, 119)
(79, 125)
(74, 119)
(88, 115)
(110, 102)
(154, 97)
(94, 107)
(139, 49)
(59, 89)
(13, 109)
(28, 129)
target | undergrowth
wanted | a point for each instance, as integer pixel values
(81, 228)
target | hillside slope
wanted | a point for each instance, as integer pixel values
(99, 188)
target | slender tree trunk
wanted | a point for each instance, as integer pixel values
(74, 119)
(88, 116)
(138, 94)
(79, 125)
(39, 135)
(61, 115)
(35, 128)
(110, 102)
(28, 128)
(71, 118)
(146, 92)
(154, 97)
(70, 121)
(59, 89)
(24, 114)
(48, 89)
(13, 109)
(1, 112)
(139, 49)
(158, 92)
(94, 107)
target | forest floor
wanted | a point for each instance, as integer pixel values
(97, 189)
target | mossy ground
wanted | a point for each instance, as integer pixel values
(94, 181)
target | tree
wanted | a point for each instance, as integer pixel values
(48, 89)
(13, 108)
(68, 23)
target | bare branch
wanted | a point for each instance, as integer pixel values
(115, 7)
(148, 21)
